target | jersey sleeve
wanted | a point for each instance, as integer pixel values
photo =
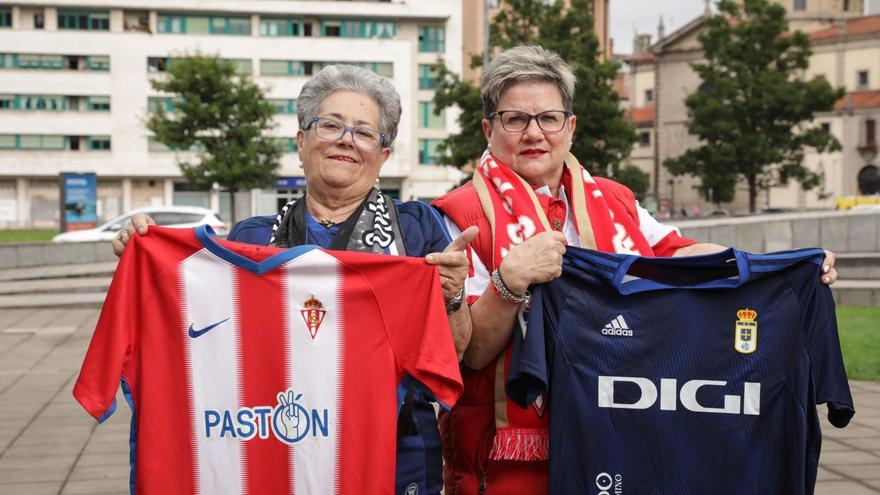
(528, 375)
(411, 301)
(826, 360)
(112, 346)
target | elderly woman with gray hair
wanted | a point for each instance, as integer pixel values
(348, 119)
(530, 198)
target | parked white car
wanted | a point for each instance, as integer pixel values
(166, 216)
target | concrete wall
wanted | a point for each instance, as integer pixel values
(47, 253)
(838, 231)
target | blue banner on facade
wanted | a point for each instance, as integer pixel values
(290, 182)
(79, 201)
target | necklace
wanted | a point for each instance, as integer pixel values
(326, 222)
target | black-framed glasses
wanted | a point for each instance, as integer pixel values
(365, 138)
(517, 121)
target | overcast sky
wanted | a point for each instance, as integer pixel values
(628, 16)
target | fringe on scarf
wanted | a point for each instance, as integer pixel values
(521, 444)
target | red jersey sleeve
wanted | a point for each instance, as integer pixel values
(411, 300)
(671, 243)
(111, 347)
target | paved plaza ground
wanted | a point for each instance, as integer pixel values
(49, 445)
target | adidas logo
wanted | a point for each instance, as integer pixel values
(617, 326)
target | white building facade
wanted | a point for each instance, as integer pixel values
(75, 91)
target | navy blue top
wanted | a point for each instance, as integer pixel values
(419, 459)
(684, 375)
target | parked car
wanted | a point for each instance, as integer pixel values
(166, 216)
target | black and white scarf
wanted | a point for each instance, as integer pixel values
(373, 228)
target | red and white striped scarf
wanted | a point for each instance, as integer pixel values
(515, 214)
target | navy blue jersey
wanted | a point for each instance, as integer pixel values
(684, 375)
(419, 458)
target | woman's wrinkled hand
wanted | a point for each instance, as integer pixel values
(453, 263)
(535, 261)
(139, 223)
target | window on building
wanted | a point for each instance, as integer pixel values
(428, 77)
(89, 20)
(5, 17)
(8, 141)
(644, 139)
(98, 62)
(427, 118)
(358, 29)
(136, 21)
(99, 143)
(286, 144)
(281, 68)
(826, 127)
(242, 65)
(34, 61)
(50, 103)
(800, 4)
(8, 102)
(271, 26)
(649, 95)
(432, 39)
(158, 64)
(428, 153)
(39, 20)
(307, 28)
(199, 24)
(862, 78)
(846, 5)
(98, 104)
(284, 106)
(870, 133)
(40, 142)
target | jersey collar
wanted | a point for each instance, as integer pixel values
(205, 235)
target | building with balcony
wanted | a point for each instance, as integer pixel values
(75, 91)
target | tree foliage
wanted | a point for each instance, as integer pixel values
(603, 137)
(753, 110)
(221, 116)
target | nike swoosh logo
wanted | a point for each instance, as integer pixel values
(197, 333)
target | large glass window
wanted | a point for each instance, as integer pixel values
(281, 68)
(99, 143)
(432, 39)
(359, 29)
(197, 24)
(8, 102)
(5, 17)
(428, 77)
(98, 104)
(8, 141)
(284, 106)
(39, 142)
(427, 118)
(242, 65)
(98, 62)
(428, 153)
(800, 4)
(90, 20)
(272, 26)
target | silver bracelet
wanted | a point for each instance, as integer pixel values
(505, 292)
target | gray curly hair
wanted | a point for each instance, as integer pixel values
(525, 63)
(335, 78)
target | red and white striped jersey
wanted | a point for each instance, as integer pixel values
(251, 369)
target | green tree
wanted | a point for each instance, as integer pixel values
(222, 116)
(753, 111)
(603, 137)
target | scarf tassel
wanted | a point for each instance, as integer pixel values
(521, 444)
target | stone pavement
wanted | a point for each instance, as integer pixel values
(49, 445)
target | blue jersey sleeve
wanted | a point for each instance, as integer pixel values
(423, 229)
(823, 346)
(253, 230)
(528, 376)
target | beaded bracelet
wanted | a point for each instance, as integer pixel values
(508, 295)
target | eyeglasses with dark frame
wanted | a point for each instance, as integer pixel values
(518, 121)
(365, 138)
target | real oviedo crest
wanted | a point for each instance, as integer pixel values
(313, 314)
(745, 338)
